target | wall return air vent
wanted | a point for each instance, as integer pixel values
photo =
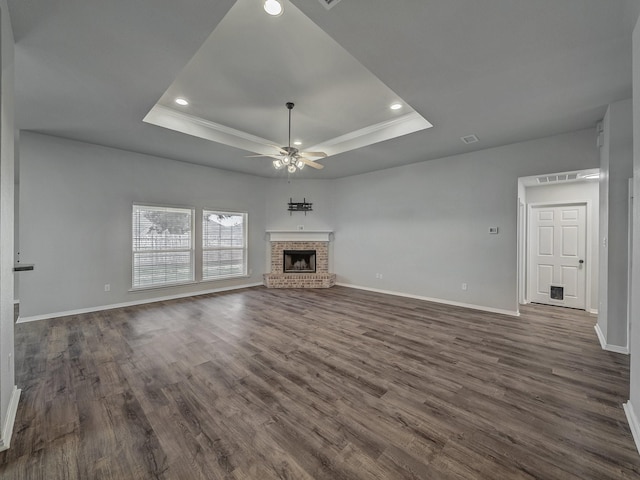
(563, 177)
(469, 139)
(329, 3)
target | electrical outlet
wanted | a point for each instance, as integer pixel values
(464, 286)
(107, 287)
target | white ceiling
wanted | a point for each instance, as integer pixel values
(504, 70)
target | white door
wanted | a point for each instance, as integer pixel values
(557, 248)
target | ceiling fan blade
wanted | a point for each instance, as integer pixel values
(312, 164)
(313, 154)
(280, 149)
(277, 157)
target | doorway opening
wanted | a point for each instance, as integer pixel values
(557, 239)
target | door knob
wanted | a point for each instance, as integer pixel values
(580, 261)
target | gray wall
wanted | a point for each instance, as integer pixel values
(603, 317)
(633, 407)
(75, 219)
(616, 167)
(586, 191)
(7, 380)
(318, 192)
(425, 226)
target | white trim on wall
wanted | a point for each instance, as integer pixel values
(521, 238)
(512, 313)
(633, 423)
(133, 303)
(606, 346)
(7, 428)
(630, 262)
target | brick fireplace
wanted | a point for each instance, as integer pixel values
(299, 241)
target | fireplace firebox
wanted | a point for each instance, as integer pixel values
(299, 261)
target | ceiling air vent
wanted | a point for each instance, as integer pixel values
(563, 177)
(469, 139)
(329, 3)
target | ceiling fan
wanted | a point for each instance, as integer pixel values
(290, 157)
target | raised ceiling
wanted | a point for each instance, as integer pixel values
(504, 70)
(339, 104)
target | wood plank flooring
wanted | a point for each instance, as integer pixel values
(318, 384)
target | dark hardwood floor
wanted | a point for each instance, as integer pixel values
(318, 384)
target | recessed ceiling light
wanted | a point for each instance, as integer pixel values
(396, 106)
(182, 101)
(297, 142)
(273, 7)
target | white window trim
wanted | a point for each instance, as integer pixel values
(191, 250)
(244, 248)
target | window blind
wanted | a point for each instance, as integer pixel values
(224, 244)
(162, 246)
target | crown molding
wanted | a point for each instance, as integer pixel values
(166, 117)
(199, 127)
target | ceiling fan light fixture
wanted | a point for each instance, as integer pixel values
(291, 157)
(275, 8)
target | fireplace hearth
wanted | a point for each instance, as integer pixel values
(299, 261)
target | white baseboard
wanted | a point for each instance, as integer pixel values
(633, 423)
(617, 349)
(603, 341)
(512, 313)
(593, 311)
(7, 428)
(606, 346)
(99, 308)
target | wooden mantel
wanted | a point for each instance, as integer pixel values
(299, 235)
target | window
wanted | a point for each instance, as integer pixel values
(224, 244)
(162, 246)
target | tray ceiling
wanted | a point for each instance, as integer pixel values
(238, 82)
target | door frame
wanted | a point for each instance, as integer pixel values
(588, 246)
(630, 264)
(522, 253)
